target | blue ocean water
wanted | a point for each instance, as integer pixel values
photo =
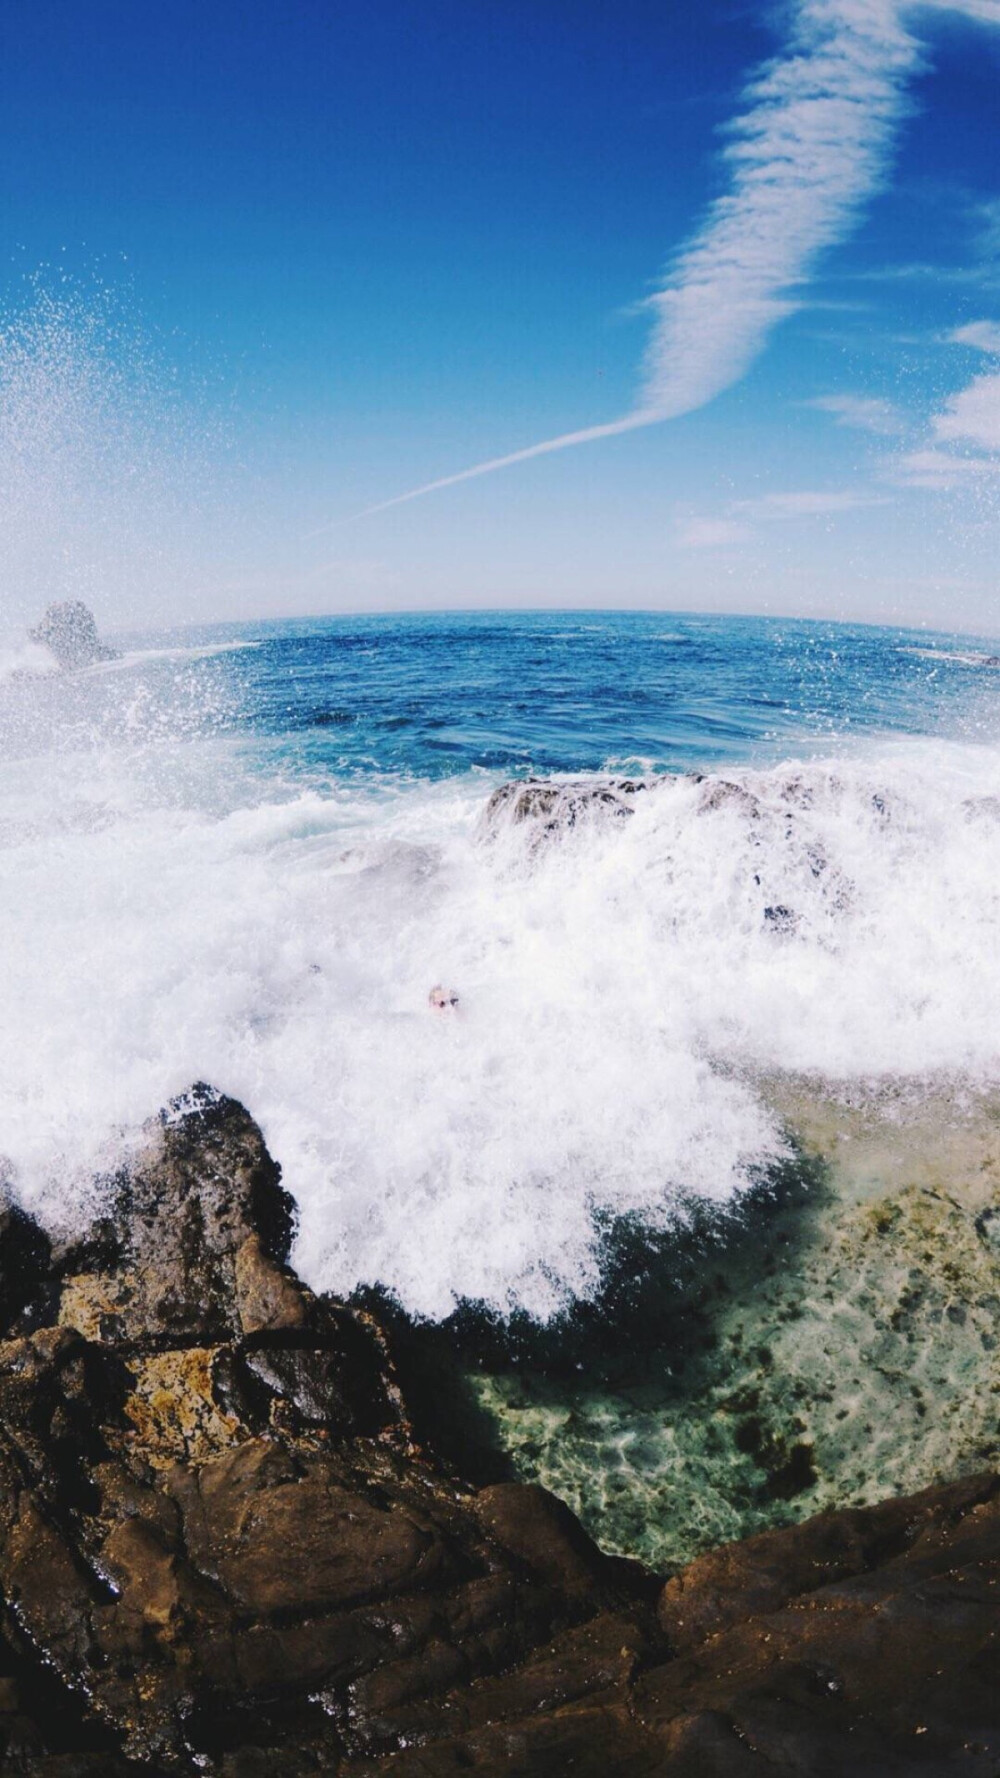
(433, 694)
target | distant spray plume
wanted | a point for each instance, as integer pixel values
(115, 479)
(811, 147)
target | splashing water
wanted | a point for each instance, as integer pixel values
(245, 855)
(108, 469)
(250, 864)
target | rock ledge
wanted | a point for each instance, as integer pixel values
(223, 1550)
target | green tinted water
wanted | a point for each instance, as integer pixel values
(835, 1343)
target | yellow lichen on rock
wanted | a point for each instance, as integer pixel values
(174, 1410)
(88, 1302)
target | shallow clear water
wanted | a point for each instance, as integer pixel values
(831, 1341)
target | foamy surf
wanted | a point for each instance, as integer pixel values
(961, 657)
(25, 661)
(178, 902)
(144, 657)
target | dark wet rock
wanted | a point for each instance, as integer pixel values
(68, 629)
(553, 805)
(781, 919)
(770, 824)
(223, 1551)
(765, 1573)
(865, 1647)
(719, 793)
(25, 1258)
(219, 1543)
(852, 1650)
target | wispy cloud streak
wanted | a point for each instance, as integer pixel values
(811, 147)
(809, 150)
(868, 413)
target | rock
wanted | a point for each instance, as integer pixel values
(867, 1648)
(25, 1256)
(69, 631)
(198, 1234)
(719, 793)
(764, 1573)
(218, 1541)
(537, 1529)
(781, 919)
(222, 1550)
(266, 1297)
(553, 805)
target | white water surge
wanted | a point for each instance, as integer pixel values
(172, 911)
(20, 660)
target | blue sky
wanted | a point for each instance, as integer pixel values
(341, 253)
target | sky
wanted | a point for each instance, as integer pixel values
(635, 304)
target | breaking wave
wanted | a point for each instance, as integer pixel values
(632, 960)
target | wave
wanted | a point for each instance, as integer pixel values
(962, 657)
(142, 657)
(633, 960)
(26, 660)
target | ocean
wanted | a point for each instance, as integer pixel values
(245, 855)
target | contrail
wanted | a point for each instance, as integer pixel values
(812, 146)
(628, 424)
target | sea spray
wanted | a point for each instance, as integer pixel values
(115, 485)
(192, 888)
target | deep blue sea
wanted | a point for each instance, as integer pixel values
(431, 695)
(247, 854)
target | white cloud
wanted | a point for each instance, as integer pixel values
(805, 155)
(865, 412)
(972, 417)
(807, 503)
(712, 533)
(987, 12)
(944, 471)
(809, 150)
(964, 443)
(736, 524)
(984, 336)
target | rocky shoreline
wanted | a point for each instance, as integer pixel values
(225, 1547)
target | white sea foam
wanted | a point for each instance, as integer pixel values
(145, 657)
(25, 660)
(170, 913)
(964, 658)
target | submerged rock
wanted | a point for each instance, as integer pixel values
(68, 629)
(833, 1344)
(222, 1550)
